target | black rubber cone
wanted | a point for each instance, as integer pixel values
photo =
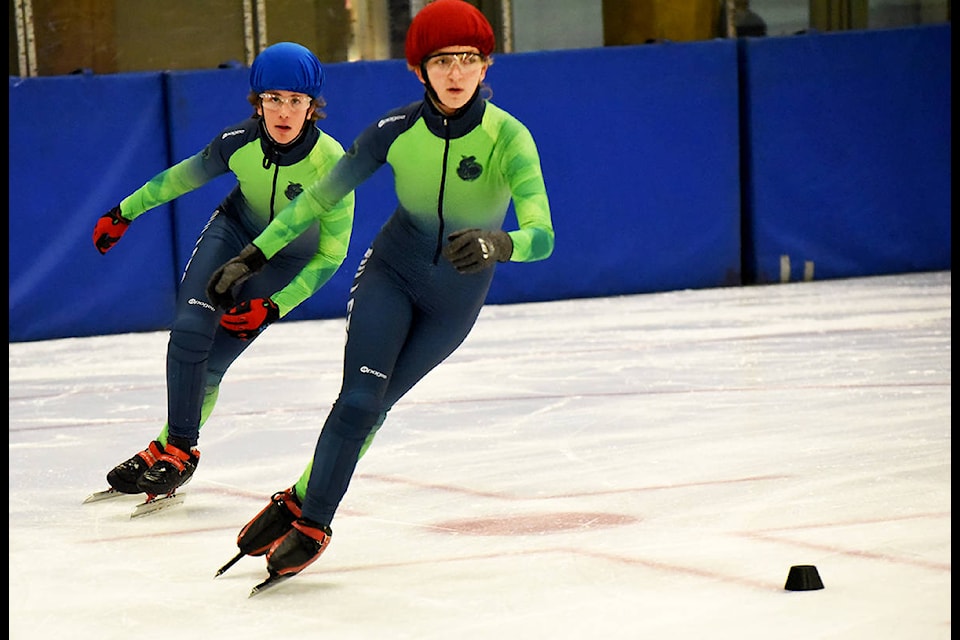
(803, 577)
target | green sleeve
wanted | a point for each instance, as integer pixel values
(167, 185)
(317, 202)
(521, 163)
(335, 228)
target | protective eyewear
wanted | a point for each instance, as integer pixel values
(273, 102)
(445, 61)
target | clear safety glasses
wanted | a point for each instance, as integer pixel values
(273, 102)
(444, 62)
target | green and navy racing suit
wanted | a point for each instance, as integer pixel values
(269, 176)
(409, 309)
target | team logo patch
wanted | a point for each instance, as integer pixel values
(469, 168)
(293, 190)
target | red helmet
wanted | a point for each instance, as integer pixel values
(445, 23)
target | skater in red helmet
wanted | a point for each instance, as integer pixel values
(458, 162)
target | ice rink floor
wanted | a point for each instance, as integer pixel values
(646, 466)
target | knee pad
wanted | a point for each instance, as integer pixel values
(353, 421)
(189, 346)
(359, 417)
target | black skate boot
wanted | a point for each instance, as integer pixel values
(125, 475)
(272, 523)
(298, 549)
(173, 468)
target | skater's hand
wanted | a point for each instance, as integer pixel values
(110, 227)
(249, 318)
(473, 250)
(225, 282)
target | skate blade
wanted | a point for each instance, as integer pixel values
(108, 494)
(234, 560)
(154, 503)
(269, 583)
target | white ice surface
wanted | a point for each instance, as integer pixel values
(645, 466)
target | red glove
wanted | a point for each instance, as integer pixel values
(250, 317)
(110, 227)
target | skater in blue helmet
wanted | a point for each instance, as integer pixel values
(274, 155)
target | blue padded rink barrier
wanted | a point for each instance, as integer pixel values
(645, 466)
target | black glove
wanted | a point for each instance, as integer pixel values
(110, 227)
(225, 281)
(473, 250)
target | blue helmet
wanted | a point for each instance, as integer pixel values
(287, 66)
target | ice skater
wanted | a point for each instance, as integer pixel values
(458, 160)
(274, 155)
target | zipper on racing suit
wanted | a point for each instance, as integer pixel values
(443, 182)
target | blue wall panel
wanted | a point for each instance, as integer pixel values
(685, 186)
(200, 104)
(849, 153)
(664, 164)
(640, 156)
(77, 145)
